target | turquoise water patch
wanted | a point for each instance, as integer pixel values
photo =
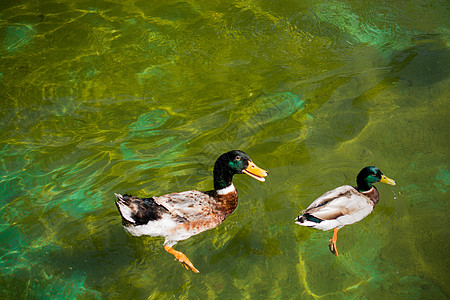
(64, 288)
(443, 180)
(146, 123)
(380, 31)
(276, 107)
(267, 109)
(149, 127)
(153, 73)
(92, 72)
(18, 36)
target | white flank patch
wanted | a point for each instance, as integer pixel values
(328, 225)
(161, 227)
(324, 225)
(227, 190)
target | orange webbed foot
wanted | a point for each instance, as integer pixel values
(332, 244)
(186, 262)
(181, 258)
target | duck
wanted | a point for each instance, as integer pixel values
(344, 205)
(178, 216)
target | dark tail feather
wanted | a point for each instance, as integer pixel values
(139, 211)
(307, 217)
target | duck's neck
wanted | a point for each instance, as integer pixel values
(222, 178)
(227, 190)
(363, 185)
(373, 195)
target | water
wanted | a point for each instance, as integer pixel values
(141, 97)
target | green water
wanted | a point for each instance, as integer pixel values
(141, 97)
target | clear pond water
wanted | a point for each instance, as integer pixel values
(141, 97)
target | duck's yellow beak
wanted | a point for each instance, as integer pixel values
(387, 180)
(255, 172)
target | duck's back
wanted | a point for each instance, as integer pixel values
(189, 206)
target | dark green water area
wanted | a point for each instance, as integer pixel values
(141, 97)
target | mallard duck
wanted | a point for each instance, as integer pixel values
(344, 205)
(178, 216)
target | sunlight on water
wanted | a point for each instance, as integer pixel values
(141, 97)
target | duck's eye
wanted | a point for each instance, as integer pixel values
(238, 158)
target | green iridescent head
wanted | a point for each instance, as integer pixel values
(235, 162)
(369, 176)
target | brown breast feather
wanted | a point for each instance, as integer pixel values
(221, 207)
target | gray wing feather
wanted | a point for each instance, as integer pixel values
(188, 205)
